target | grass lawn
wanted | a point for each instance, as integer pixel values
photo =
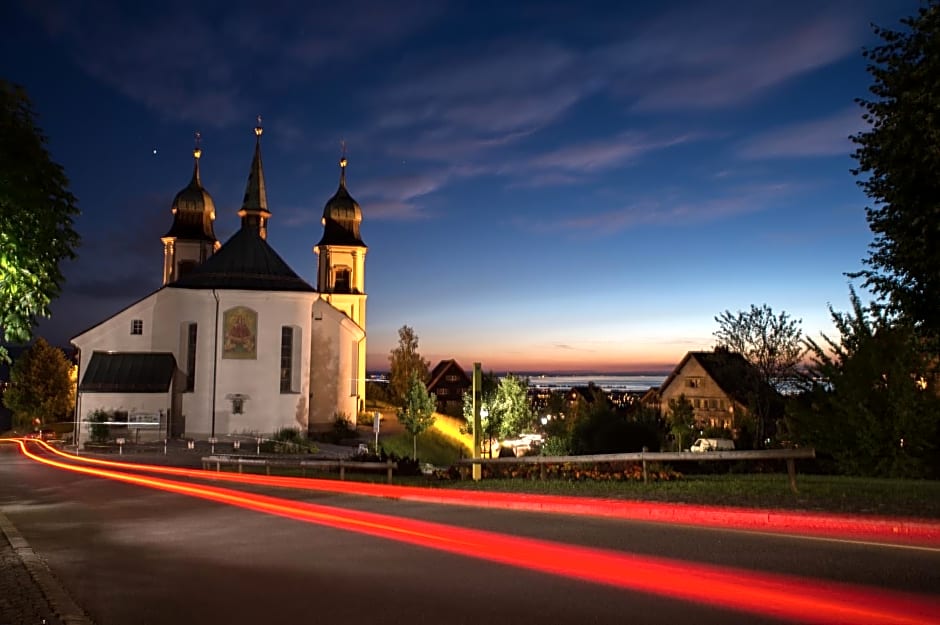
(818, 493)
(433, 447)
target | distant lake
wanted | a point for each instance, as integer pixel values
(606, 381)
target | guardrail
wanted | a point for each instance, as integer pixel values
(243, 461)
(790, 455)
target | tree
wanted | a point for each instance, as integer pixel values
(899, 170)
(510, 406)
(505, 409)
(36, 211)
(417, 412)
(41, 389)
(870, 402)
(404, 361)
(773, 344)
(770, 342)
(681, 419)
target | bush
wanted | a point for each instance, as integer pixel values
(341, 430)
(291, 440)
(100, 430)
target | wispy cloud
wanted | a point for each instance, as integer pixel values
(677, 212)
(604, 154)
(184, 65)
(820, 137)
(721, 55)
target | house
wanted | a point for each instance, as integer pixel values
(580, 400)
(234, 341)
(449, 383)
(722, 386)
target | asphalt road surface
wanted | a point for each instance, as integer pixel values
(128, 554)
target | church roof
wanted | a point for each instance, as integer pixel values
(254, 208)
(342, 216)
(129, 372)
(193, 210)
(245, 262)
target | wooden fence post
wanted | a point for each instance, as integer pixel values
(791, 473)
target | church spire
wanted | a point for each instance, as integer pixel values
(254, 210)
(197, 154)
(342, 166)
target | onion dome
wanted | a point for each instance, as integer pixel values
(342, 216)
(193, 209)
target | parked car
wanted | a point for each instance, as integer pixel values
(712, 444)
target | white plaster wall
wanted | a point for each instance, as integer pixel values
(332, 370)
(265, 408)
(114, 334)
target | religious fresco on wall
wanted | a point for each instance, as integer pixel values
(240, 333)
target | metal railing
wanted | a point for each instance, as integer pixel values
(217, 461)
(790, 455)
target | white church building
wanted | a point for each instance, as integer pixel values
(234, 342)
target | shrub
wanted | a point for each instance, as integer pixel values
(100, 430)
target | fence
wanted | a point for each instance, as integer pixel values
(790, 455)
(253, 461)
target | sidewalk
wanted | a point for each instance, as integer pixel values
(29, 593)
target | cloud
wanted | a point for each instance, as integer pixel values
(185, 65)
(821, 137)
(112, 262)
(717, 56)
(459, 107)
(604, 154)
(677, 212)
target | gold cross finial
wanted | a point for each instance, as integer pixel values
(197, 149)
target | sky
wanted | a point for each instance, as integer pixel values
(545, 186)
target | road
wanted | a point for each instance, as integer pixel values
(131, 554)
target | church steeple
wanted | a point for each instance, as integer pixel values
(254, 210)
(341, 266)
(190, 239)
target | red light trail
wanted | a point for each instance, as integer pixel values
(781, 596)
(893, 530)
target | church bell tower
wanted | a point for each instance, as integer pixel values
(341, 262)
(191, 239)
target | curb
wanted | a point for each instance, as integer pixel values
(60, 602)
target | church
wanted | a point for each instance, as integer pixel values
(234, 343)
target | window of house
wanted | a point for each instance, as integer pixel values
(137, 326)
(452, 377)
(441, 392)
(287, 359)
(693, 382)
(191, 333)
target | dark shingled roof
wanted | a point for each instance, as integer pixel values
(247, 262)
(129, 372)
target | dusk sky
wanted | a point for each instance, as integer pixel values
(544, 185)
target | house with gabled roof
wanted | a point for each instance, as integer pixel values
(449, 383)
(722, 386)
(234, 341)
